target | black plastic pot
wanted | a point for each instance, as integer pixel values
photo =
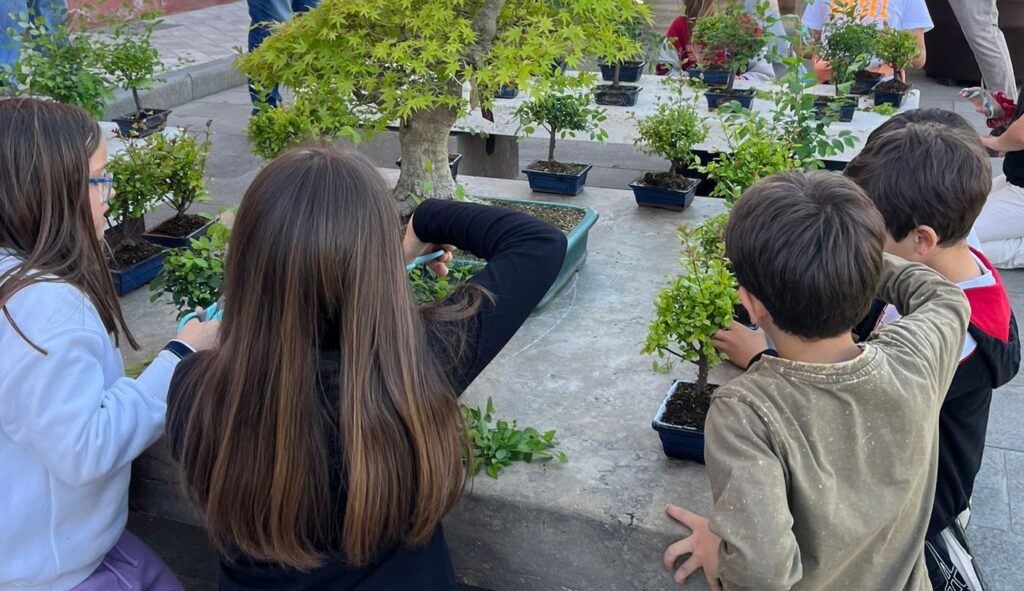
(177, 241)
(557, 182)
(507, 92)
(142, 123)
(890, 98)
(137, 275)
(628, 72)
(864, 81)
(716, 98)
(558, 64)
(610, 95)
(454, 160)
(686, 443)
(674, 199)
(846, 109)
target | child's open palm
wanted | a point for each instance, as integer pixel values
(702, 546)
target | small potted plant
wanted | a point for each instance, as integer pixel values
(193, 276)
(65, 67)
(898, 49)
(271, 131)
(724, 44)
(622, 67)
(561, 115)
(847, 45)
(755, 150)
(688, 312)
(671, 132)
(133, 62)
(182, 161)
(138, 182)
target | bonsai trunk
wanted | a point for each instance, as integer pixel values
(618, 72)
(424, 136)
(702, 374)
(138, 102)
(551, 147)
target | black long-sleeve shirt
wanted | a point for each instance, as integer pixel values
(524, 256)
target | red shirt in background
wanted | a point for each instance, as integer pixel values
(679, 33)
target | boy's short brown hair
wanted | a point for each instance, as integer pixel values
(809, 246)
(925, 173)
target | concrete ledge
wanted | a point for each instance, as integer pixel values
(182, 86)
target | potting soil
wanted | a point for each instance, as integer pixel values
(180, 226)
(685, 408)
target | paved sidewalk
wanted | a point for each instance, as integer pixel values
(204, 35)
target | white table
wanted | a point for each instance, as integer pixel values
(499, 155)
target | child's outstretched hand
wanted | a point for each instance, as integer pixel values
(739, 343)
(702, 546)
(413, 247)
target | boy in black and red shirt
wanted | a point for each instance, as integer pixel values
(929, 176)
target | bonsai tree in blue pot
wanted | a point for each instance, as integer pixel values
(671, 132)
(133, 62)
(688, 313)
(138, 182)
(182, 159)
(724, 44)
(561, 116)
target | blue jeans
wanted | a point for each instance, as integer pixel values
(263, 14)
(53, 12)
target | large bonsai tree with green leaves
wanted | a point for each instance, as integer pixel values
(369, 64)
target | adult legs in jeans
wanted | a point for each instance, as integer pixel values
(979, 20)
(263, 14)
(53, 13)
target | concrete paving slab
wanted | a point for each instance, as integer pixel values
(1014, 462)
(990, 505)
(998, 554)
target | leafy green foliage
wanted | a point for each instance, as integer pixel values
(561, 115)
(885, 109)
(182, 160)
(496, 443)
(368, 63)
(796, 118)
(193, 276)
(897, 48)
(130, 57)
(847, 45)
(272, 131)
(428, 287)
(65, 67)
(139, 181)
(696, 304)
(755, 150)
(671, 132)
(728, 40)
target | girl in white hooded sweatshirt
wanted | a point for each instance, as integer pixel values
(70, 421)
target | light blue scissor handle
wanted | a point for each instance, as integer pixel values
(212, 313)
(424, 259)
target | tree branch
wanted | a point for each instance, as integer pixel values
(485, 25)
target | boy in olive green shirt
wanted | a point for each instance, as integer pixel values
(822, 460)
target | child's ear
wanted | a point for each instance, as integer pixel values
(925, 240)
(758, 313)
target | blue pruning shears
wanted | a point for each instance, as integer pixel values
(214, 312)
(420, 260)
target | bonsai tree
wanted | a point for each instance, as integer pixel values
(727, 41)
(898, 49)
(632, 29)
(193, 276)
(65, 67)
(367, 64)
(694, 306)
(131, 59)
(273, 130)
(847, 45)
(671, 132)
(561, 115)
(755, 150)
(138, 183)
(182, 161)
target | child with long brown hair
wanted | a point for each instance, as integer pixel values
(322, 438)
(70, 421)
